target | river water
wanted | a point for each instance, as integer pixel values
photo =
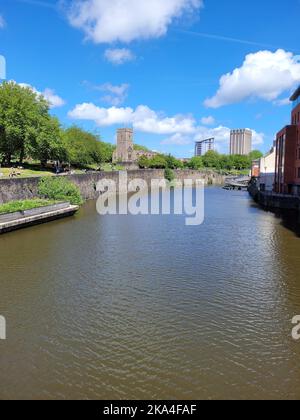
(144, 307)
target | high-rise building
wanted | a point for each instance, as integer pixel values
(287, 173)
(203, 146)
(240, 142)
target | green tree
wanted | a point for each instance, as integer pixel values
(144, 162)
(158, 162)
(48, 143)
(84, 148)
(140, 148)
(106, 151)
(22, 113)
(196, 163)
(241, 162)
(211, 159)
(255, 154)
(173, 163)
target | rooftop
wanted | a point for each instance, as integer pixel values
(295, 95)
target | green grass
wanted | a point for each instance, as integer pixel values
(23, 205)
(25, 173)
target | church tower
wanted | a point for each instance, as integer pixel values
(125, 149)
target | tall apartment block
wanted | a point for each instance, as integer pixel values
(203, 146)
(287, 172)
(240, 142)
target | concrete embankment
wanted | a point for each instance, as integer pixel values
(27, 188)
(20, 220)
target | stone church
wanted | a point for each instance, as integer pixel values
(125, 153)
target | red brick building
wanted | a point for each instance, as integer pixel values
(255, 171)
(287, 173)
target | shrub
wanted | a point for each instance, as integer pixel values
(23, 205)
(196, 163)
(169, 175)
(144, 162)
(58, 188)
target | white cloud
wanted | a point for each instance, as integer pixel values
(2, 22)
(208, 120)
(282, 102)
(142, 119)
(177, 139)
(119, 56)
(127, 20)
(149, 121)
(221, 135)
(102, 116)
(264, 75)
(182, 129)
(54, 100)
(114, 94)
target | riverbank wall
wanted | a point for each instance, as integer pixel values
(24, 219)
(27, 188)
(274, 201)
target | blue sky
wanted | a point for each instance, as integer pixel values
(123, 63)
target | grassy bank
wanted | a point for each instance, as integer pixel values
(24, 173)
(24, 205)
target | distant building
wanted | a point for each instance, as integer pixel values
(255, 170)
(264, 170)
(240, 142)
(203, 146)
(287, 171)
(125, 152)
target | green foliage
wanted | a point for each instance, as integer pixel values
(214, 160)
(84, 148)
(255, 154)
(24, 205)
(169, 175)
(144, 162)
(195, 163)
(59, 188)
(211, 159)
(173, 163)
(140, 148)
(26, 127)
(48, 144)
(160, 162)
(106, 151)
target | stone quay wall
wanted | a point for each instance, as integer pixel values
(27, 188)
(273, 201)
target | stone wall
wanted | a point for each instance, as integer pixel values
(274, 201)
(26, 188)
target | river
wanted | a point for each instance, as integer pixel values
(144, 307)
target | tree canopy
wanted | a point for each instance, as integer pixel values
(26, 127)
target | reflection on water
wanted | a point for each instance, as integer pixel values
(145, 307)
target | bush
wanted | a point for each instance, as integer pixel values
(169, 175)
(144, 162)
(24, 205)
(58, 188)
(158, 162)
(195, 163)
